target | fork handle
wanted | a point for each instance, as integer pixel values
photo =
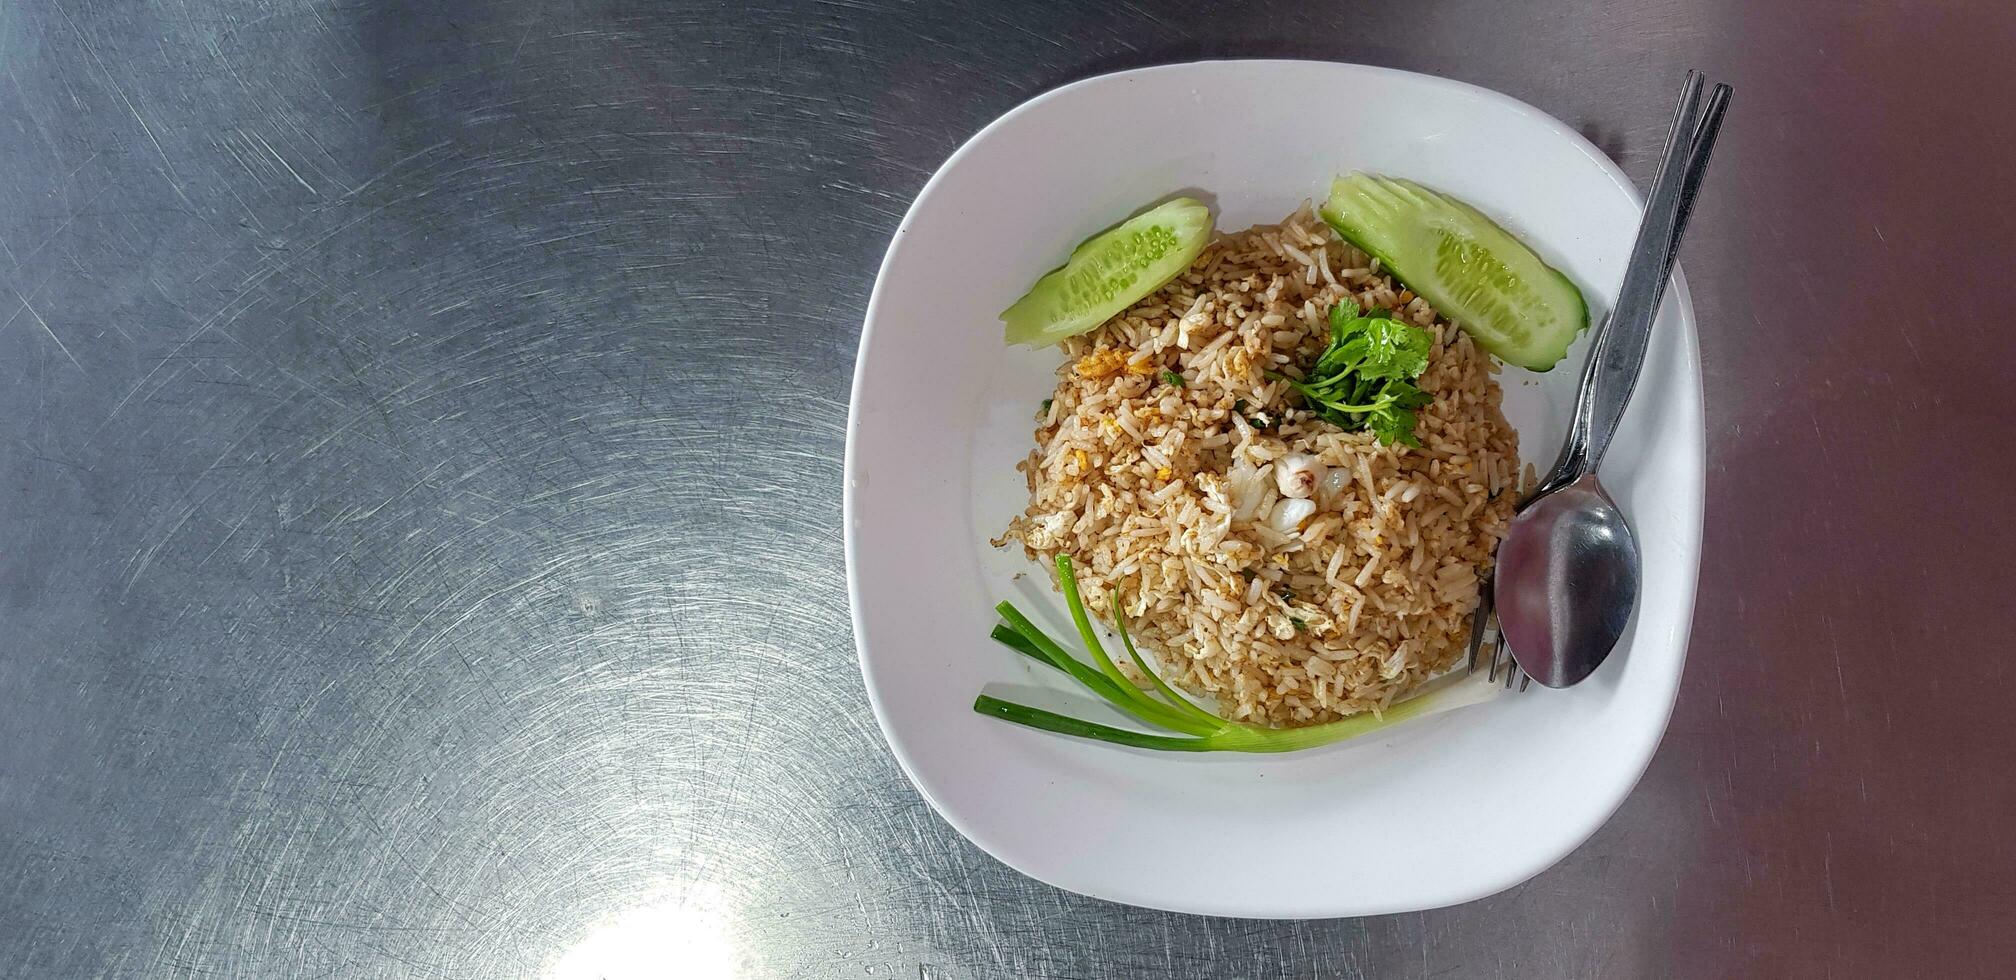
(1618, 352)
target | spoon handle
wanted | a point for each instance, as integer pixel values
(1618, 352)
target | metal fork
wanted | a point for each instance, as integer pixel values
(1498, 656)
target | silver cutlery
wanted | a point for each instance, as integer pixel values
(1569, 569)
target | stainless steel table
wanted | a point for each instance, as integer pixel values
(419, 492)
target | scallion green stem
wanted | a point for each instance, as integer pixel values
(1126, 698)
(1182, 703)
(1006, 635)
(1168, 717)
(1205, 732)
(1050, 721)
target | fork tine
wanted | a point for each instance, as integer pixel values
(1478, 620)
(1484, 623)
(1502, 654)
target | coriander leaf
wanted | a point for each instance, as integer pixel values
(1393, 349)
(1405, 395)
(1341, 314)
(1346, 349)
(1172, 379)
(1363, 380)
(1393, 424)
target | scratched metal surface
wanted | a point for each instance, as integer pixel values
(419, 492)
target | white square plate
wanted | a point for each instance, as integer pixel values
(1439, 811)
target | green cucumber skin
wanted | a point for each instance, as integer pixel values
(1581, 312)
(1548, 353)
(1581, 317)
(1036, 319)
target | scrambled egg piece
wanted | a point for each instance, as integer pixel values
(1109, 361)
(1102, 363)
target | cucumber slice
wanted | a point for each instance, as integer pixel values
(1469, 269)
(1110, 271)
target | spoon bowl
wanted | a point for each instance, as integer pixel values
(1567, 581)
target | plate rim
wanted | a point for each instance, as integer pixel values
(1693, 448)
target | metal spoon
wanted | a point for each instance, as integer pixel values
(1568, 569)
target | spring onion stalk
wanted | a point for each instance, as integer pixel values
(1199, 730)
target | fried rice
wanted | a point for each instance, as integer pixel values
(1173, 494)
